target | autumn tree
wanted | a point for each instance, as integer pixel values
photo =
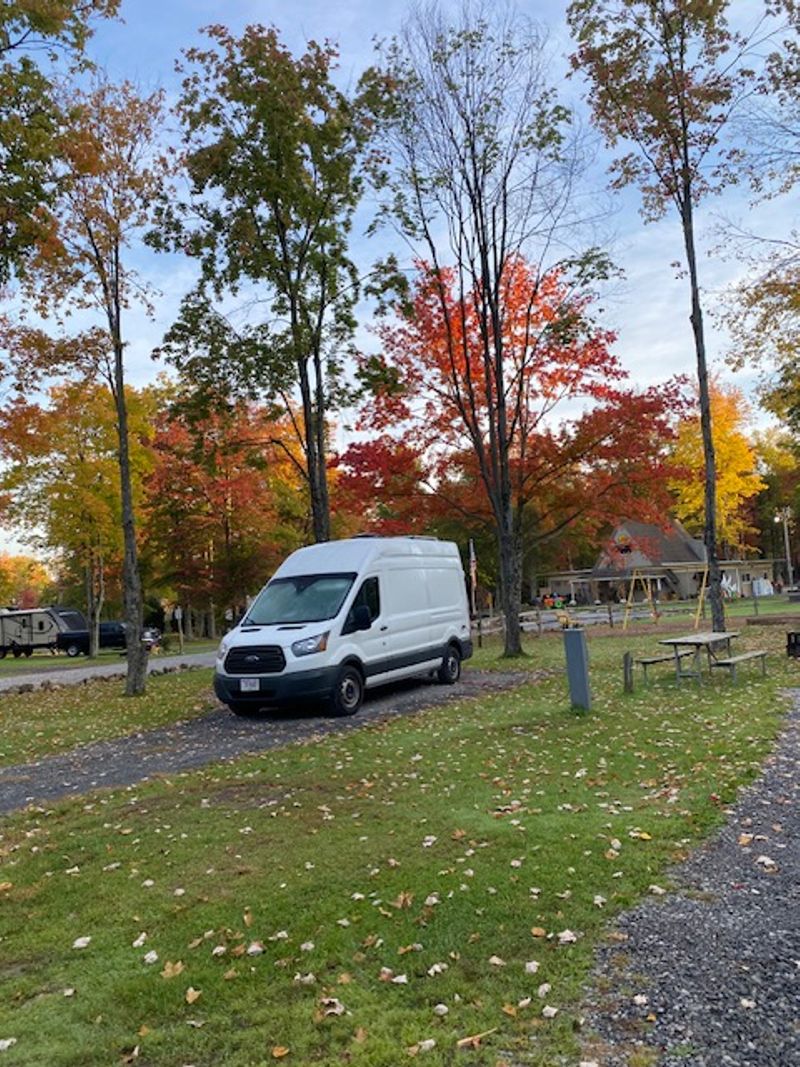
(476, 167)
(61, 477)
(665, 76)
(23, 581)
(271, 153)
(31, 122)
(221, 505)
(110, 177)
(583, 447)
(738, 480)
(380, 487)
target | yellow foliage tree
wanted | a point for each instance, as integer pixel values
(737, 477)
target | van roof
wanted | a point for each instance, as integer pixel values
(355, 553)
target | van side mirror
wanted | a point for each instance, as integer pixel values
(362, 620)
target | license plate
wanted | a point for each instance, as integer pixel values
(250, 685)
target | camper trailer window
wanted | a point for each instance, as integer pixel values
(304, 598)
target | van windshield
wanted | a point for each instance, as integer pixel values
(303, 598)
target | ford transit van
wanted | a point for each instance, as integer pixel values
(340, 617)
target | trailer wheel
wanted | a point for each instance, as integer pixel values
(3, 652)
(17, 651)
(28, 651)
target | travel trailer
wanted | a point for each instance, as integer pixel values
(23, 632)
(343, 616)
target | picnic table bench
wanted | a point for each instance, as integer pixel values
(731, 662)
(668, 657)
(712, 642)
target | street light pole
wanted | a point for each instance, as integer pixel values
(784, 514)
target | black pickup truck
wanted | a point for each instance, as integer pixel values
(111, 635)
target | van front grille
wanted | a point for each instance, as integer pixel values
(255, 659)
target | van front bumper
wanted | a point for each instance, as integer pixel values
(277, 688)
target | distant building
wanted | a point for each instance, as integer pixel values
(668, 558)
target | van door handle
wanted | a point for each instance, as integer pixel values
(383, 628)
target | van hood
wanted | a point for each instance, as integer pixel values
(283, 634)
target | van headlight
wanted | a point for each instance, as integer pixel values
(222, 651)
(311, 644)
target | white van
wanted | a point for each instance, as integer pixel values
(343, 616)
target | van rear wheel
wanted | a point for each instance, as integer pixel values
(450, 670)
(348, 692)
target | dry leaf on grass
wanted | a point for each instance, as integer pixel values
(474, 1040)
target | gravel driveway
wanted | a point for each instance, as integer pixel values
(718, 961)
(219, 735)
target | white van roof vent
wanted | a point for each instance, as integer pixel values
(393, 537)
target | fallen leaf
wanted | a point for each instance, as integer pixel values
(279, 1051)
(421, 1046)
(331, 1006)
(172, 970)
(538, 931)
(192, 995)
(81, 942)
(509, 1009)
(474, 1040)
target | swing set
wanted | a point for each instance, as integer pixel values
(644, 581)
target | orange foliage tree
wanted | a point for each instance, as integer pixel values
(584, 449)
(224, 505)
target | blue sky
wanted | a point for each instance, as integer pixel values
(649, 310)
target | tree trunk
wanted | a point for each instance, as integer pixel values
(710, 530)
(136, 678)
(94, 600)
(510, 586)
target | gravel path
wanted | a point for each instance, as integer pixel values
(718, 961)
(75, 675)
(219, 735)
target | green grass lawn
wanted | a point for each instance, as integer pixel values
(442, 878)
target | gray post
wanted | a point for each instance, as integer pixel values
(627, 672)
(578, 668)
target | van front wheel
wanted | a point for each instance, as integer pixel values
(450, 670)
(348, 692)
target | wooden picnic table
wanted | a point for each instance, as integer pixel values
(696, 643)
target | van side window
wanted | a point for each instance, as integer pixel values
(367, 596)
